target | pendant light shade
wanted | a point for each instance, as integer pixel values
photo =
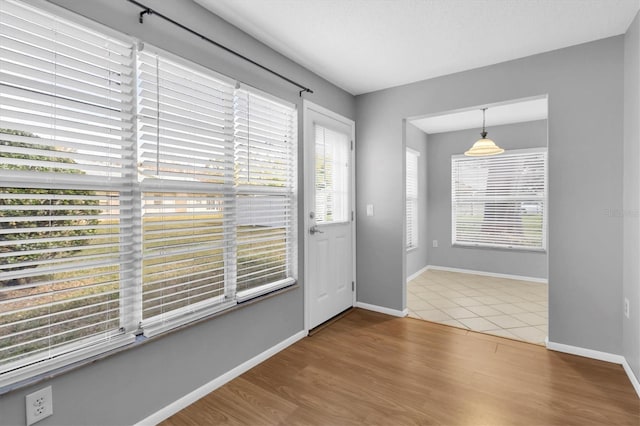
(484, 146)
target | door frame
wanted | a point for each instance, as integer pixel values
(308, 106)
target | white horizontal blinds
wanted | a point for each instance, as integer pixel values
(66, 155)
(331, 175)
(185, 121)
(65, 89)
(186, 165)
(60, 256)
(265, 136)
(184, 248)
(412, 198)
(500, 201)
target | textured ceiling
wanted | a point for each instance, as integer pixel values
(367, 45)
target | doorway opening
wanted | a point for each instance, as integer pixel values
(476, 231)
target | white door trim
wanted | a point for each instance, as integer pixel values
(307, 172)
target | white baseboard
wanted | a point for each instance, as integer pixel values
(417, 274)
(487, 274)
(602, 356)
(587, 353)
(382, 309)
(207, 388)
(632, 377)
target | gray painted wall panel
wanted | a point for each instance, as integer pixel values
(125, 388)
(380, 182)
(441, 147)
(584, 85)
(417, 258)
(631, 208)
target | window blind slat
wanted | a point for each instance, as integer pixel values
(53, 41)
(113, 125)
(40, 21)
(67, 146)
(78, 86)
(177, 102)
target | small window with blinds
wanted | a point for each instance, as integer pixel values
(500, 201)
(412, 198)
(265, 149)
(66, 162)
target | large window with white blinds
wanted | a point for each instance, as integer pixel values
(66, 162)
(138, 191)
(411, 189)
(500, 201)
(265, 131)
(186, 174)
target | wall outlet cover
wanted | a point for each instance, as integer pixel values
(39, 405)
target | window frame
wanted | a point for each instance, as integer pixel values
(542, 153)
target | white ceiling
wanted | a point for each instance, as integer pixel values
(496, 115)
(367, 45)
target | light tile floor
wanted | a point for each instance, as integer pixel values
(499, 306)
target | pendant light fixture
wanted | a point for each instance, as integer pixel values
(484, 146)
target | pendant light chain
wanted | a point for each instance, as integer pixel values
(483, 118)
(484, 131)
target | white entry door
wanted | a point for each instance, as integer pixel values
(329, 215)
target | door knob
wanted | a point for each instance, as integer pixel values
(314, 229)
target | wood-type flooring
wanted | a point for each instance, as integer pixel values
(373, 369)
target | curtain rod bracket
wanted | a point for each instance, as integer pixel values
(147, 11)
(303, 91)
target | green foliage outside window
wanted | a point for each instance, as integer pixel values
(43, 229)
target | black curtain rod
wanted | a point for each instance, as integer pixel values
(148, 11)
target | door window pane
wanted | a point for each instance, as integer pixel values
(331, 175)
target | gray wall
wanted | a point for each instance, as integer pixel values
(441, 147)
(631, 209)
(585, 88)
(417, 258)
(127, 387)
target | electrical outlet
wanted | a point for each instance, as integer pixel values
(39, 405)
(626, 307)
(435, 243)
